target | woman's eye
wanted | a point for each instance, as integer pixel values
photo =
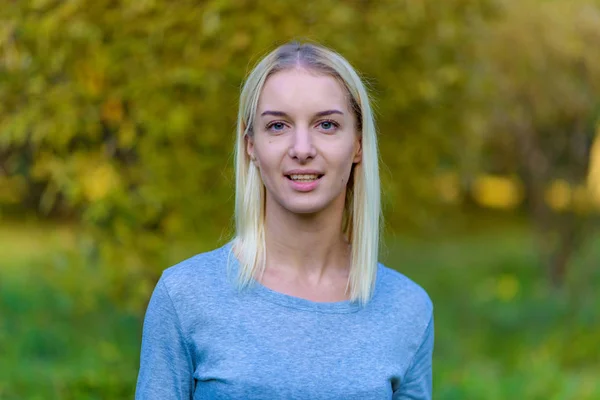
(328, 125)
(276, 126)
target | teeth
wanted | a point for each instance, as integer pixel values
(304, 177)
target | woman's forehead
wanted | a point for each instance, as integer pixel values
(302, 90)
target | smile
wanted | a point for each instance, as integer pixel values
(303, 177)
(306, 182)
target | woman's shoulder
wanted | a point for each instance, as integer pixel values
(201, 270)
(403, 293)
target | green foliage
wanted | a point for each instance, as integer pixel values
(538, 80)
(124, 111)
(51, 352)
(500, 333)
(120, 113)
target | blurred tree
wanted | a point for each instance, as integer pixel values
(538, 82)
(124, 111)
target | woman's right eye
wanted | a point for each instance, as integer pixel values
(276, 126)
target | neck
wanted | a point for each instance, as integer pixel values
(306, 245)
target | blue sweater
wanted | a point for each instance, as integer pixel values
(204, 339)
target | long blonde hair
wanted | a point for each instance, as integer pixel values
(362, 210)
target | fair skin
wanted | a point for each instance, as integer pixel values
(305, 143)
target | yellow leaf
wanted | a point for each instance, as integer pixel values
(497, 192)
(593, 179)
(99, 181)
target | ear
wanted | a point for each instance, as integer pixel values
(250, 146)
(358, 153)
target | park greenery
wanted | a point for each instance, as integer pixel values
(116, 135)
(501, 332)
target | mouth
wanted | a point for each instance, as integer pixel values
(304, 177)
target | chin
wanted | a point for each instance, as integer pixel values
(303, 210)
(306, 207)
(304, 203)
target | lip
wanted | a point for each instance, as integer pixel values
(304, 186)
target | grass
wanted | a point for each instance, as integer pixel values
(501, 332)
(51, 350)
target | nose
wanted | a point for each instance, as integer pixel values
(302, 147)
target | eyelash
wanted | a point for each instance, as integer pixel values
(332, 122)
(270, 125)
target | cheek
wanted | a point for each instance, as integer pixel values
(267, 161)
(344, 162)
(344, 157)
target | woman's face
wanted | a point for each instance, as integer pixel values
(304, 141)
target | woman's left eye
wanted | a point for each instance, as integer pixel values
(328, 125)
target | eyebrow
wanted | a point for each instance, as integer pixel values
(283, 114)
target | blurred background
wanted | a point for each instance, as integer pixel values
(117, 124)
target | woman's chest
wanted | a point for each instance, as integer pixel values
(296, 356)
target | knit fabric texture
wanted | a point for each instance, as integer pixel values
(205, 339)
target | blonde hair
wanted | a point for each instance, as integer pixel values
(362, 210)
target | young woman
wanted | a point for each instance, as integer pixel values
(297, 305)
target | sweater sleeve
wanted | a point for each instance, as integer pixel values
(417, 383)
(166, 370)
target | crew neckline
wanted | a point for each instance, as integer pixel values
(299, 303)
